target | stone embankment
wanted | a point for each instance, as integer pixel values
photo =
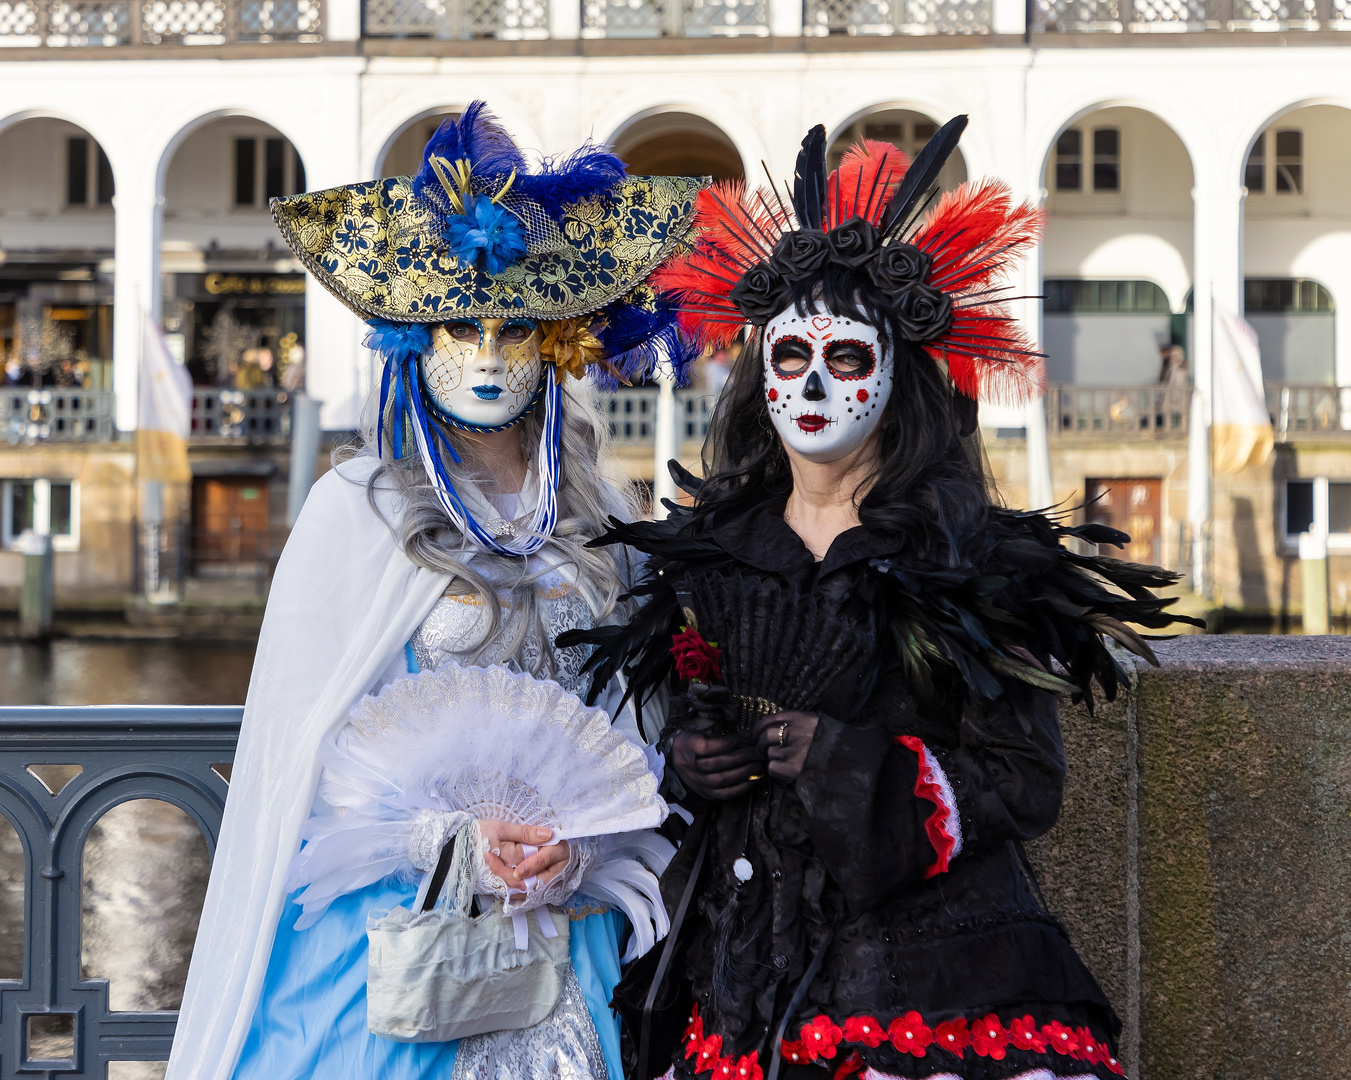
(1203, 858)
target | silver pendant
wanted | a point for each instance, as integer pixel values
(743, 869)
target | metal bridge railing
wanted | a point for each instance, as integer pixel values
(61, 771)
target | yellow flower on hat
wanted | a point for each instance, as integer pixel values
(571, 344)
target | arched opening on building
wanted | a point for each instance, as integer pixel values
(56, 276)
(1117, 260)
(402, 155)
(234, 296)
(1297, 245)
(678, 144)
(906, 130)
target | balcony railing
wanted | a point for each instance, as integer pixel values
(674, 18)
(61, 771)
(54, 415)
(253, 416)
(1132, 412)
(513, 20)
(824, 17)
(1309, 410)
(1188, 16)
(633, 416)
(78, 23)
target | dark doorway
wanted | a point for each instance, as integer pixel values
(1135, 506)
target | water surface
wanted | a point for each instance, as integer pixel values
(84, 672)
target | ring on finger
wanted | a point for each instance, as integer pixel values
(783, 733)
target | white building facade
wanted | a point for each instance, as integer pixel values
(1189, 152)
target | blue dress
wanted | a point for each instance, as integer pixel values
(310, 1021)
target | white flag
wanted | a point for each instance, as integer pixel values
(1240, 424)
(164, 418)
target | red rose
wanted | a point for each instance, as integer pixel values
(706, 1053)
(1025, 1035)
(748, 1067)
(910, 1034)
(989, 1037)
(1061, 1039)
(695, 658)
(794, 1052)
(820, 1037)
(864, 1029)
(952, 1035)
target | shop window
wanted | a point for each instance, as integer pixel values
(1285, 296)
(1072, 296)
(1255, 171)
(1299, 509)
(246, 166)
(1319, 505)
(274, 168)
(89, 173)
(1107, 159)
(77, 172)
(265, 169)
(41, 506)
(1069, 161)
(1289, 163)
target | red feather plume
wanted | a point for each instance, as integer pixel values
(974, 235)
(735, 229)
(864, 183)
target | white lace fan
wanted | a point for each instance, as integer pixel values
(497, 744)
(490, 743)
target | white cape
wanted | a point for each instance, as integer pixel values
(344, 601)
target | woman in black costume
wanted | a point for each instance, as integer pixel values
(866, 653)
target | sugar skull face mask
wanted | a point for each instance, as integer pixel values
(483, 373)
(827, 380)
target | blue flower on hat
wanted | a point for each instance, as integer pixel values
(486, 234)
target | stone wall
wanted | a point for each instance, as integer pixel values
(1203, 858)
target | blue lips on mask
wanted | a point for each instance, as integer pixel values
(488, 392)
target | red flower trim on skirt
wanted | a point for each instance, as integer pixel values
(944, 826)
(822, 1038)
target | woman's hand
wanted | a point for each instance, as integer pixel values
(784, 739)
(506, 855)
(716, 766)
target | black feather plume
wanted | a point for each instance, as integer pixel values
(1019, 606)
(809, 179)
(922, 174)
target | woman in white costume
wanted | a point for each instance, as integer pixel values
(457, 536)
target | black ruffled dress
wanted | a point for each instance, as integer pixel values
(879, 915)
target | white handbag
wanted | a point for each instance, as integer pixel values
(443, 973)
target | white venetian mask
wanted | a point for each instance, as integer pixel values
(827, 380)
(483, 373)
